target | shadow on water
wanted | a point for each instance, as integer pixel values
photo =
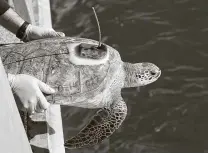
(170, 115)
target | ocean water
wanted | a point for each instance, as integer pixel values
(170, 115)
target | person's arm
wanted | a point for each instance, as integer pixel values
(11, 20)
(23, 30)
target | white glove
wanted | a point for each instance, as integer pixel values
(28, 89)
(34, 32)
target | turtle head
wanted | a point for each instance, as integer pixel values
(140, 74)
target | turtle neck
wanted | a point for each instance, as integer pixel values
(130, 78)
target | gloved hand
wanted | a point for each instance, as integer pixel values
(28, 89)
(34, 32)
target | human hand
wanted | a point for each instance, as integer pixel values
(34, 32)
(29, 90)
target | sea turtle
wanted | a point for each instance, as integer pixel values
(83, 76)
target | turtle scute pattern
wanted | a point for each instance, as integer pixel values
(31, 58)
(103, 124)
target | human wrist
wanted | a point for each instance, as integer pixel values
(23, 30)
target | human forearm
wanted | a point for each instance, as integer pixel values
(23, 30)
(11, 20)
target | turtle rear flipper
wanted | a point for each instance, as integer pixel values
(103, 124)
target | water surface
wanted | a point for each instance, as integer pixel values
(170, 115)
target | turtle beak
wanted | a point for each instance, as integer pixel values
(155, 72)
(158, 73)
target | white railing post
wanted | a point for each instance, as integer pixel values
(53, 114)
(13, 138)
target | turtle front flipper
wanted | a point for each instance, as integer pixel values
(103, 124)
